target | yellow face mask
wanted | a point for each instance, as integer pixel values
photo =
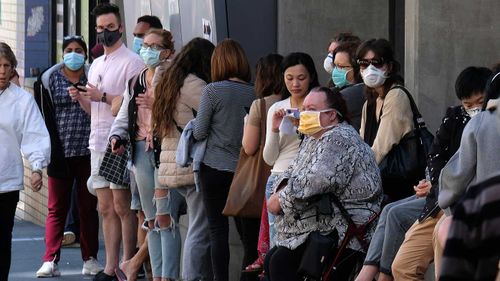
(310, 123)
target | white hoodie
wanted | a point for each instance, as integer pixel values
(22, 130)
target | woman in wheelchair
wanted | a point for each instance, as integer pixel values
(331, 193)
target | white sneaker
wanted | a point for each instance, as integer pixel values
(91, 267)
(48, 269)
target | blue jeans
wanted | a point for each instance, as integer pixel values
(196, 260)
(144, 173)
(164, 243)
(272, 231)
(396, 218)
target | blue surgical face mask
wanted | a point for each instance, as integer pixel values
(150, 57)
(339, 77)
(137, 44)
(73, 61)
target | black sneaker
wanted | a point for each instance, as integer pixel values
(101, 276)
(141, 273)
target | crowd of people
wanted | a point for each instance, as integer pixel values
(148, 134)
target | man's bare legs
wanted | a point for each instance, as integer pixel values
(121, 200)
(111, 227)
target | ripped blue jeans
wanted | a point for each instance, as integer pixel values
(165, 243)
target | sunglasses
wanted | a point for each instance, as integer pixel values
(378, 63)
(73, 37)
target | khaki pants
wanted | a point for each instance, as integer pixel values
(416, 252)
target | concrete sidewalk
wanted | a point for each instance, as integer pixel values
(28, 248)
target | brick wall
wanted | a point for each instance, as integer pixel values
(12, 29)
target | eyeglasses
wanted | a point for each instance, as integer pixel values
(155, 47)
(342, 66)
(378, 63)
(73, 37)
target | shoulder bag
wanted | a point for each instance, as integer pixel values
(246, 193)
(407, 160)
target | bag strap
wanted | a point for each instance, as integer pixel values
(417, 117)
(263, 120)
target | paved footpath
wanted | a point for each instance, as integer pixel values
(27, 251)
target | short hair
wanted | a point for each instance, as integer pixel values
(77, 39)
(229, 60)
(153, 21)
(334, 100)
(492, 87)
(167, 40)
(304, 59)
(345, 37)
(268, 78)
(107, 8)
(471, 80)
(350, 48)
(7, 53)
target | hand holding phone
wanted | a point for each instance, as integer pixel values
(80, 87)
(293, 113)
(118, 145)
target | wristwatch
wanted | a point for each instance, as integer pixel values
(103, 98)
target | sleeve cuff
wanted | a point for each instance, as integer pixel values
(36, 166)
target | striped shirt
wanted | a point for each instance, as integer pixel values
(223, 106)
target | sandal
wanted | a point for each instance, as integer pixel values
(256, 266)
(120, 275)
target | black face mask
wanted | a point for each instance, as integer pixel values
(108, 38)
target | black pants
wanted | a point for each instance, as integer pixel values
(215, 187)
(282, 264)
(248, 229)
(8, 204)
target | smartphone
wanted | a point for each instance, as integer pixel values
(80, 87)
(119, 143)
(293, 113)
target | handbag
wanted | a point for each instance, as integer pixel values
(114, 167)
(247, 190)
(317, 251)
(406, 161)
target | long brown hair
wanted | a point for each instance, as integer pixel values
(194, 58)
(230, 61)
(268, 77)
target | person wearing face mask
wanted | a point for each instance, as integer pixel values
(347, 79)
(386, 115)
(397, 217)
(107, 78)
(133, 122)
(333, 160)
(343, 37)
(144, 24)
(69, 128)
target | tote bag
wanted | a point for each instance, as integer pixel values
(246, 194)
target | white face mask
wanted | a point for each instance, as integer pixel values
(373, 77)
(473, 111)
(328, 63)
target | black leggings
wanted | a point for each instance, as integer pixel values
(214, 189)
(8, 204)
(248, 229)
(282, 264)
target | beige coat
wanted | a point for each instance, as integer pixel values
(170, 174)
(395, 122)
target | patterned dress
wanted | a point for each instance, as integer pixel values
(339, 162)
